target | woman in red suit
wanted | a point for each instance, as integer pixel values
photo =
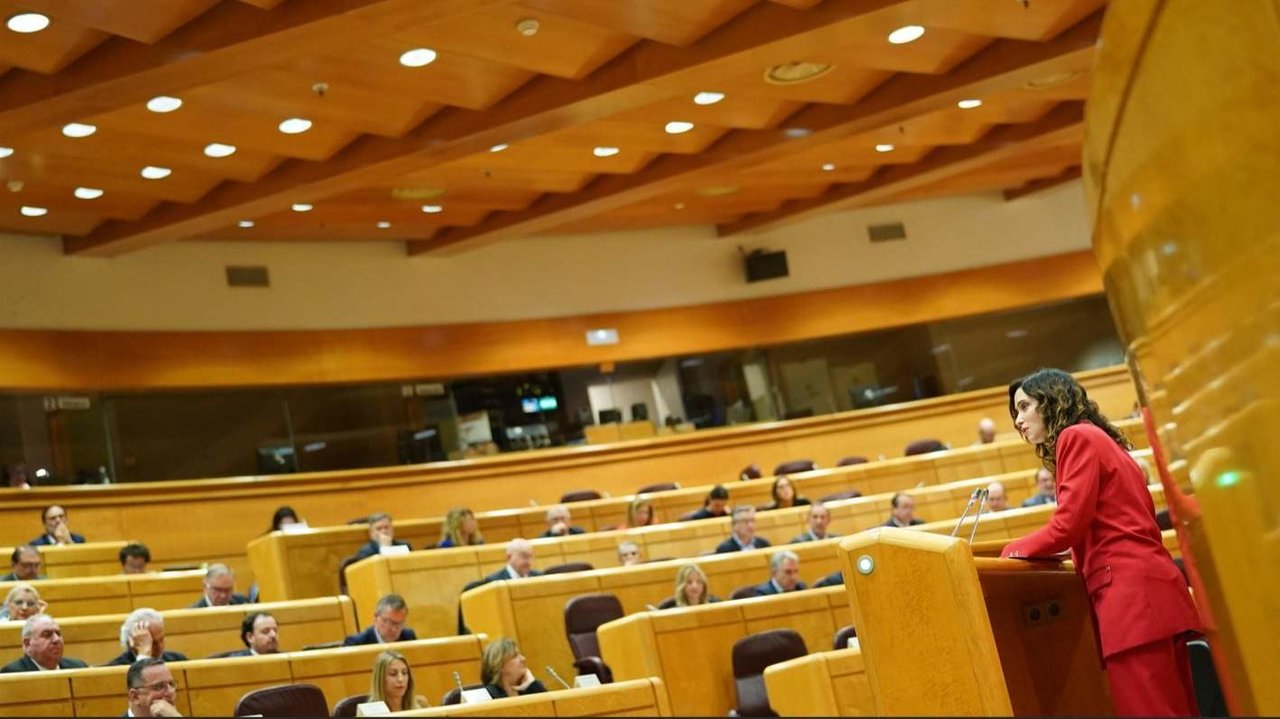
(1142, 610)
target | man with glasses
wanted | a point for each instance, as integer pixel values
(388, 626)
(56, 530)
(152, 690)
(219, 588)
(26, 565)
(41, 648)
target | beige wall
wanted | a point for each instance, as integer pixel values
(322, 285)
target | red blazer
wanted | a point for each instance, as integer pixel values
(1105, 516)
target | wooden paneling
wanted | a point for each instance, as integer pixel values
(90, 559)
(117, 594)
(824, 683)
(640, 697)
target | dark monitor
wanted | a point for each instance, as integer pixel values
(610, 416)
(763, 265)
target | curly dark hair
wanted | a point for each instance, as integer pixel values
(1061, 402)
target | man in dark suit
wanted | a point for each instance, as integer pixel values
(26, 565)
(261, 635)
(784, 568)
(219, 588)
(41, 648)
(519, 565)
(819, 519)
(714, 505)
(152, 690)
(382, 533)
(903, 511)
(142, 635)
(389, 619)
(558, 523)
(1046, 491)
(56, 530)
(743, 532)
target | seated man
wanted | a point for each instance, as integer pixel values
(986, 431)
(784, 570)
(1046, 492)
(714, 505)
(133, 558)
(629, 554)
(903, 513)
(558, 523)
(819, 518)
(219, 588)
(261, 635)
(142, 635)
(382, 533)
(41, 648)
(997, 501)
(152, 690)
(26, 565)
(742, 532)
(56, 530)
(388, 624)
(519, 563)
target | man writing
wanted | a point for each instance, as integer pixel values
(382, 533)
(388, 626)
(219, 588)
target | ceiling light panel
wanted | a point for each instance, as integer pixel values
(27, 22)
(78, 129)
(295, 125)
(163, 104)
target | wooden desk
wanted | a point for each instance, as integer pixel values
(823, 684)
(116, 594)
(641, 697)
(91, 559)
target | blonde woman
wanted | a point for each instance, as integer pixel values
(640, 514)
(22, 603)
(692, 588)
(504, 673)
(393, 683)
(460, 529)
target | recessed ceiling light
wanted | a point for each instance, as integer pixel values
(78, 129)
(432, 209)
(678, 127)
(87, 193)
(302, 207)
(884, 147)
(605, 151)
(906, 34)
(528, 26)
(796, 133)
(151, 172)
(383, 225)
(163, 103)
(793, 73)
(679, 205)
(246, 224)
(295, 125)
(499, 147)
(217, 149)
(828, 167)
(28, 22)
(969, 104)
(708, 98)
(5, 152)
(33, 211)
(418, 57)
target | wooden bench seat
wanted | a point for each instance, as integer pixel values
(91, 559)
(640, 697)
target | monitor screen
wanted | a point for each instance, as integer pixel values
(529, 404)
(547, 404)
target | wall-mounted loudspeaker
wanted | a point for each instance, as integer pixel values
(763, 265)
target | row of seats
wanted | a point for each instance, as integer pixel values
(116, 594)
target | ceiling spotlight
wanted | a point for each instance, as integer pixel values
(796, 133)
(217, 149)
(302, 207)
(432, 209)
(295, 125)
(884, 147)
(78, 129)
(151, 172)
(793, 73)
(528, 26)
(163, 103)
(708, 98)
(969, 104)
(246, 224)
(498, 147)
(906, 34)
(678, 127)
(5, 152)
(383, 225)
(418, 57)
(33, 211)
(605, 151)
(87, 193)
(828, 167)
(28, 22)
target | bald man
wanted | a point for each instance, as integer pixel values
(986, 431)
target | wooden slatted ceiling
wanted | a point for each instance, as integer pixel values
(597, 74)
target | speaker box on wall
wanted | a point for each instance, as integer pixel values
(763, 265)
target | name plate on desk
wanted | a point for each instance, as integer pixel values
(372, 709)
(392, 550)
(583, 681)
(295, 528)
(475, 696)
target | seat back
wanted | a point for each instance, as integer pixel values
(854, 459)
(924, 446)
(795, 465)
(751, 471)
(583, 615)
(285, 700)
(751, 655)
(659, 487)
(342, 572)
(667, 603)
(830, 580)
(745, 592)
(844, 494)
(454, 695)
(843, 635)
(1205, 679)
(568, 567)
(579, 495)
(1163, 520)
(347, 707)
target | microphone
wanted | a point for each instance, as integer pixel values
(457, 679)
(556, 676)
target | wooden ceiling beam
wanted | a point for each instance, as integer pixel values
(1003, 65)
(542, 105)
(997, 145)
(1043, 183)
(228, 40)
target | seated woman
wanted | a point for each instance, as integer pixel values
(393, 683)
(460, 529)
(21, 603)
(692, 588)
(639, 514)
(784, 494)
(503, 671)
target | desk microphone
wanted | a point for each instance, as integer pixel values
(457, 679)
(556, 676)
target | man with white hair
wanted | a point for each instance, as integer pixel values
(142, 635)
(784, 574)
(219, 588)
(742, 533)
(41, 648)
(519, 562)
(986, 431)
(558, 523)
(997, 500)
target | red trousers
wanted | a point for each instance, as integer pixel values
(1153, 680)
